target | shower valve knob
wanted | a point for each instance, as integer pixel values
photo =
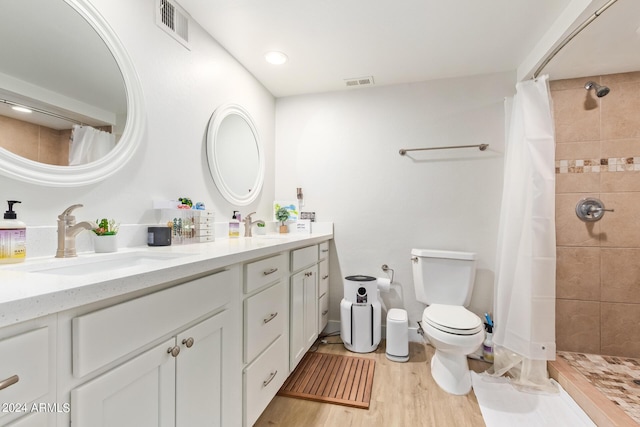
(591, 209)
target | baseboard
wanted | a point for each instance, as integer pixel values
(333, 326)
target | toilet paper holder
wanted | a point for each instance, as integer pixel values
(591, 209)
(386, 269)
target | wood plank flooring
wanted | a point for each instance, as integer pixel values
(404, 394)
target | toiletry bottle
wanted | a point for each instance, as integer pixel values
(13, 237)
(487, 345)
(234, 226)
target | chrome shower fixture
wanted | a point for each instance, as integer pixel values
(600, 90)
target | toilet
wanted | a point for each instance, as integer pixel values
(444, 281)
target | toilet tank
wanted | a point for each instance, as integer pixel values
(443, 277)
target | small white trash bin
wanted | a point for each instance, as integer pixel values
(397, 335)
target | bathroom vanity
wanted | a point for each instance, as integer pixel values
(166, 336)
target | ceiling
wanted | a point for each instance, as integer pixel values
(329, 41)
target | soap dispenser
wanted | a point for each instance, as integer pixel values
(234, 225)
(13, 237)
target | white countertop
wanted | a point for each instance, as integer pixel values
(27, 295)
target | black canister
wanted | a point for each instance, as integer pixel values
(159, 236)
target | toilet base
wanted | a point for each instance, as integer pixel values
(451, 372)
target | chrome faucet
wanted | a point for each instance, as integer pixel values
(68, 230)
(248, 223)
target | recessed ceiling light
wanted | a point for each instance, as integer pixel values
(22, 109)
(276, 58)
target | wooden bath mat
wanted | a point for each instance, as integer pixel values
(330, 378)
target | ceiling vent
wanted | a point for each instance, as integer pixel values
(174, 20)
(360, 81)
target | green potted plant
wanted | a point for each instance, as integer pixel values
(261, 228)
(105, 236)
(282, 215)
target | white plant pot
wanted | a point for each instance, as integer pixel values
(103, 244)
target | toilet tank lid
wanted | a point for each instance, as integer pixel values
(433, 253)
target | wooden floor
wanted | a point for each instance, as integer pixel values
(404, 394)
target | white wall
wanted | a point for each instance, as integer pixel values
(342, 149)
(182, 88)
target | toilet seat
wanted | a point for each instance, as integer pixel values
(452, 319)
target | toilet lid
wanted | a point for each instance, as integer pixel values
(453, 319)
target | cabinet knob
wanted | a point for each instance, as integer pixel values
(188, 342)
(9, 381)
(174, 351)
(325, 312)
(270, 318)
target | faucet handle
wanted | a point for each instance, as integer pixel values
(67, 212)
(248, 217)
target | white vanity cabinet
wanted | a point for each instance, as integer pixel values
(176, 383)
(174, 352)
(323, 286)
(27, 374)
(266, 324)
(303, 328)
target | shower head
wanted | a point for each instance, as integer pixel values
(600, 90)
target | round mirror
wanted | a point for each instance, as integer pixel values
(69, 74)
(235, 155)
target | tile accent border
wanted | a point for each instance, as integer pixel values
(613, 164)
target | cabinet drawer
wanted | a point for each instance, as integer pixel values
(263, 378)
(304, 257)
(323, 250)
(323, 277)
(105, 335)
(24, 370)
(260, 273)
(265, 318)
(323, 312)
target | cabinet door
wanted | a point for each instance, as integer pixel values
(304, 305)
(139, 393)
(199, 383)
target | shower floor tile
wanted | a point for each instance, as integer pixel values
(618, 378)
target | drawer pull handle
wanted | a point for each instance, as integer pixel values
(325, 250)
(325, 312)
(9, 382)
(325, 277)
(271, 377)
(308, 274)
(268, 272)
(188, 342)
(270, 318)
(174, 351)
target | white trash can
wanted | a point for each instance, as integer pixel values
(397, 335)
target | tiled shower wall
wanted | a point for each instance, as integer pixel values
(37, 143)
(598, 263)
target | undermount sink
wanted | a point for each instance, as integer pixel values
(92, 264)
(269, 237)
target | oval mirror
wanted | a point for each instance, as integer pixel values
(234, 153)
(66, 66)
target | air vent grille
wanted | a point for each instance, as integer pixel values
(359, 81)
(174, 20)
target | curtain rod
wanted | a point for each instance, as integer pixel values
(570, 37)
(38, 110)
(482, 147)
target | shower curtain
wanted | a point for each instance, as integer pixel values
(89, 144)
(524, 335)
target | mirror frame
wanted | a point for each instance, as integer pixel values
(217, 118)
(22, 169)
